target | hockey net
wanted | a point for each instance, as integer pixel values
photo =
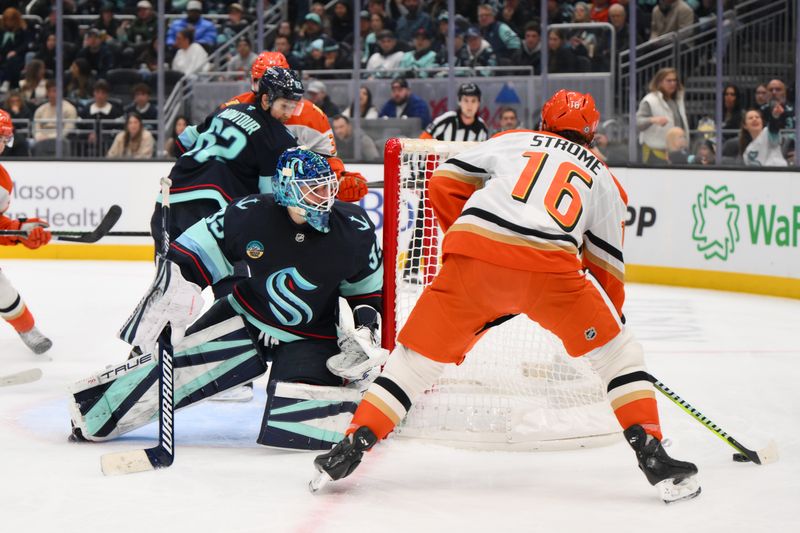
(517, 388)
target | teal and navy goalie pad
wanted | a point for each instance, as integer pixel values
(123, 398)
(306, 417)
(297, 274)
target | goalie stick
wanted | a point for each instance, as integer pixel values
(162, 454)
(111, 217)
(768, 454)
(26, 376)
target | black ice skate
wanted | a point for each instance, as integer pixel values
(343, 458)
(675, 480)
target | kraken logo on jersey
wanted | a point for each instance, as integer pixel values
(255, 249)
(287, 306)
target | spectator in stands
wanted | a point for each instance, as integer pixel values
(731, 109)
(761, 95)
(378, 7)
(704, 152)
(318, 8)
(144, 28)
(107, 23)
(235, 24)
(618, 18)
(500, 36)
(96, 53)
(677, 146)
(341, 22)
(346, 139)
(530, 53)
(777, 92)
(477, 53)
(421, 57)
(315, 56)
(582, 40)
(44, 118)
(601, 62)
(760, 146)
(558, 12)
(285, 29)
(376, 26)
(19, 109)
(670, 16)
(101, 108)
(561, 57)
(170, 147)
(32, 87)
(366, 108)
(133, 142)
(79, 80)
(14, 41)
(141, 103)
(508, 119)
(660, 110)
(47, 53)
(312, 30)
(243, 59)
(404, 103)
(387, 57)
(643, 15)
(318, 94)
(516, 15)
(284, 46)
(70, 27)
(190, 57)
(205, 31)
(336, 58)
(599, 11)
(414, 20)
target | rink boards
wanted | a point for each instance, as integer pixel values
(715, 228)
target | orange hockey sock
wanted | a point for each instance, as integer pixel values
(19, 317)
(378, 419)
(642, 411)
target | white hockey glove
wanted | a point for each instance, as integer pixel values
(361, 358)
(171, 299)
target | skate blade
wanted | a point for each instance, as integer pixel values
(685, 489)
(319, 482)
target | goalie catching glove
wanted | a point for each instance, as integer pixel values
(171, 300)
(352, 186)
(361, 358)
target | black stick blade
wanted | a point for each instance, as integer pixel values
(108, 222)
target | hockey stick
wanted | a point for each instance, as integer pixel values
(102, 229)
(26, 376)
(768, 454)
(162, 454)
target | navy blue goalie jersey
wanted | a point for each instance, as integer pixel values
(236, 149)
(296, 273)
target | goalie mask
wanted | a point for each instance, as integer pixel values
(305, 182)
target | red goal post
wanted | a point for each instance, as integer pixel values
(517, 388)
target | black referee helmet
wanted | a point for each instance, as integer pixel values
(469, 89)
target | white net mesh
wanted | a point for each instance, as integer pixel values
(517, 388)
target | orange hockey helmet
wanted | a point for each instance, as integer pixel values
(264, 61)
(6, 126)
(571, 111)
(6, 185)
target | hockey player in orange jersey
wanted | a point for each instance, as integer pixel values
(533, 224)
(12, 308)
(308, 123)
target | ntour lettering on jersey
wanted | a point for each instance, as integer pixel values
(585, 157)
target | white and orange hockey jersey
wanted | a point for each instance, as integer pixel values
(533, 201)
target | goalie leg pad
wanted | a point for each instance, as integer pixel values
(208, 361)
(306, 417)
(620, 364)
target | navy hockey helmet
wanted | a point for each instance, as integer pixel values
(469, 89)
(278, 82)
(304, 180)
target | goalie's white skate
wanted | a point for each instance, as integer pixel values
(34, 340)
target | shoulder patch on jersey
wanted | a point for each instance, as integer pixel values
(360, 222)
(254, 249)
(242, 204)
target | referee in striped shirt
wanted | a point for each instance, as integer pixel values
(464, 124)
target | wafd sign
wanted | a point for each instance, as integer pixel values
(737, 222)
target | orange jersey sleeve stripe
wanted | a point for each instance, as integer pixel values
(244, 98)
(611, 279)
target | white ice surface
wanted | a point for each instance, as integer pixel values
(735, 357)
